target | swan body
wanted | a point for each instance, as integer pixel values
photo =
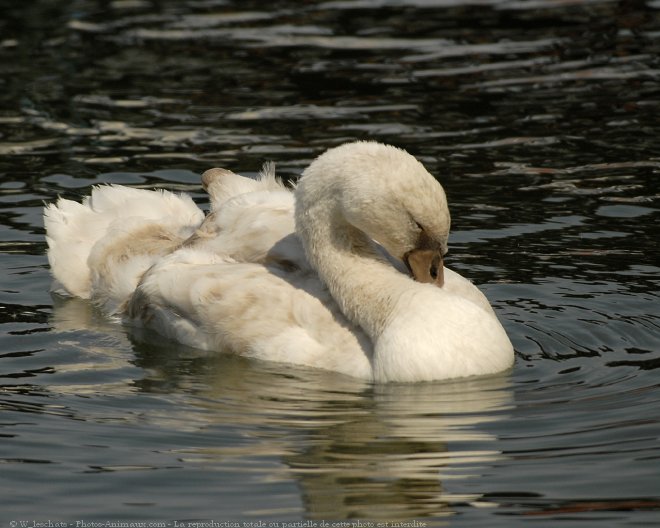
(318, 276)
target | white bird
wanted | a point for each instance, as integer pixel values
(312, 276)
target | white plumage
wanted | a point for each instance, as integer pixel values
(312, 276)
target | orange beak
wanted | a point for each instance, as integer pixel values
(426, 265)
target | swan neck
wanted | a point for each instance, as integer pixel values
(362, 282)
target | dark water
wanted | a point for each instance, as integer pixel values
(540, 118)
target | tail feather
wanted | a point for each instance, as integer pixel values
(71, 231)
(74, 229)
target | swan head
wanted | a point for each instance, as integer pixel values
(387, 194)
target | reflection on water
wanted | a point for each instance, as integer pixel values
(539, 118)
(355, 450)
(381, 455)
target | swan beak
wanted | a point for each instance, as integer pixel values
(426, 266)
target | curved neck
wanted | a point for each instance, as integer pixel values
(362, 282)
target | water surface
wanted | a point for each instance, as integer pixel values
(540, 120)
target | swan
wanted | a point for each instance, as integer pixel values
(345, 272)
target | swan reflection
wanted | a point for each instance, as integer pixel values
(354, 449)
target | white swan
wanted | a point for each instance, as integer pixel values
(287, 276)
